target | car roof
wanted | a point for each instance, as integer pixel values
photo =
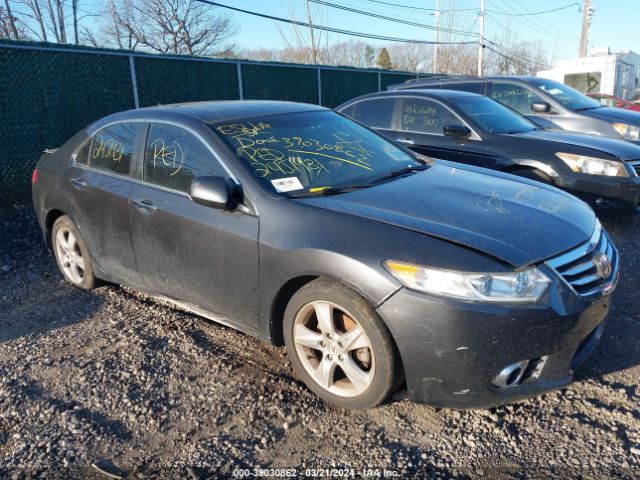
(459, 79)
(422, 92)
(212, 111)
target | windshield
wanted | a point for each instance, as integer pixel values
(567, 96)
(491, 116)
(311, 151)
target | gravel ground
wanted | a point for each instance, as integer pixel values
(112, 382)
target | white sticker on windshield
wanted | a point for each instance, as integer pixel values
(286, 184)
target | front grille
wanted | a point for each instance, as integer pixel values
(636, 167)
(584, 269)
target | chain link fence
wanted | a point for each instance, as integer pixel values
(50, 92)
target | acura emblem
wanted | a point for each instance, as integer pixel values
(602, 264)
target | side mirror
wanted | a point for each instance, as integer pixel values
(456, 131)
(540, 107)
(215, 192)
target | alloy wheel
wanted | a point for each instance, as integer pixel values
(70, 255)
(334, 348)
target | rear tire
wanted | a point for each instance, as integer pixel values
(339, 346)
(71, 254)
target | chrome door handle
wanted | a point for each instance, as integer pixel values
(405, 141)
(78, 183)
(144, 205)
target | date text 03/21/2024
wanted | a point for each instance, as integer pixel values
(314, 473)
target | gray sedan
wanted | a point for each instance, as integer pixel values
(374, 267)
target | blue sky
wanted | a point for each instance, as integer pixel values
(614, 25)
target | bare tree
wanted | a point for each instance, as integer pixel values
(114, 30)
(352, 53)
(35, 13)
(9, 23)
(411, 57)
(169, 26)
(306, 44)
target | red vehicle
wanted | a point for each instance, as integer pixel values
(613, 101)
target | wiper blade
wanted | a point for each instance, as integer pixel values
(399, 173)
(321, 192)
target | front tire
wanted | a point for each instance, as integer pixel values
(340, 346)
(71, 254)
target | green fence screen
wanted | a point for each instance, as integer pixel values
(50, 92)
(261, 82)
(162, 81)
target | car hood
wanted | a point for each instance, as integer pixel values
(519, 222)
(618, 148)
(614, 115)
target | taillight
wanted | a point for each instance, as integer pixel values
(34, 176)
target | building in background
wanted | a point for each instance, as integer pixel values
(601, 72)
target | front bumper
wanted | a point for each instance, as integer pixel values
(614, 192)
(452, 351)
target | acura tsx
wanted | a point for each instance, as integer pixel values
(374, 266)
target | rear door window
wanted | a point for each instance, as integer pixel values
(376, 113)
(112, 148)
(174, 157)
(426, 116)
(516, 97)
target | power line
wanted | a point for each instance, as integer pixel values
(330, 29)
(509, 32)
(536, 13)
(529, 22)
(524, 63)
(419, 8)
(391, 19)
(398, 5)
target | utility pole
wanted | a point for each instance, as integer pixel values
(435, 45)
(481, 38)
(587, 15)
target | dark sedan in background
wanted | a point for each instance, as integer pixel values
(302, 227)
(548, 103)
(473, 129)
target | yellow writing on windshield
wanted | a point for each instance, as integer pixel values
(307, 156)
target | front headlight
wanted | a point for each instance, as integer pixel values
(593, 165)
(526, 286)
(630, 132)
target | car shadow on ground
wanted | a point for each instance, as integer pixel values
(34, 298)
(618, 349)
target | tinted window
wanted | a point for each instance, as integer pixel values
(421, 115)
(310, 151)
(174, 157)
(567, 96)
(491, 116)
(112, 147)
(375, 113)
(476, 87)
(515, 96)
